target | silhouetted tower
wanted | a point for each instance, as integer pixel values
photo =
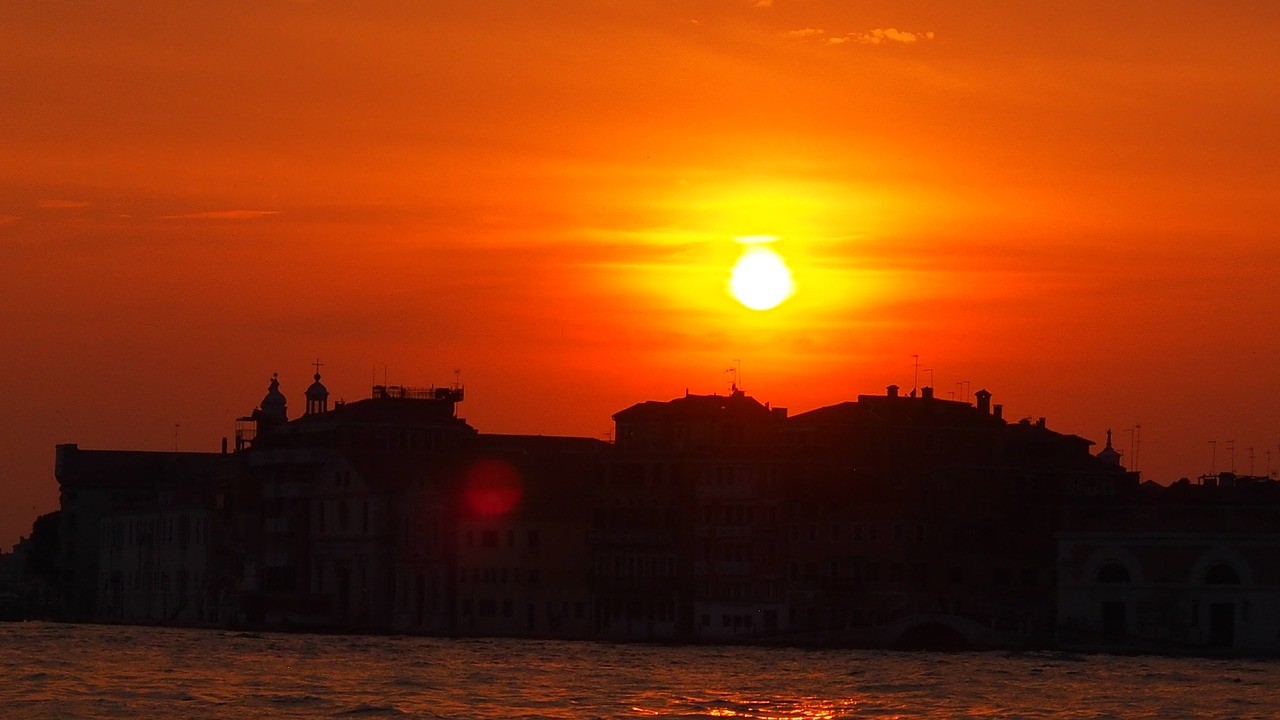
(317, 395)
(1109, 454)
(984, 401)
(274, 409)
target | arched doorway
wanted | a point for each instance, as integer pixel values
(1222, 615)
(1114, 612)
(933, 635)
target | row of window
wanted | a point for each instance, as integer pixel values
(151, 580)
(498, 576)
(489, 607)
(635, 565)
(164, 531)
(857, 533)
(494, 538)
(745, 621)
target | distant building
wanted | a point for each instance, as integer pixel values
(1191, 567)
(892, 520)
(120, 528)
(522, 522)
(917, 520)
(686, 538)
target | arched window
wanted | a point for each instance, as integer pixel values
(1113, 573)
(1222, 574)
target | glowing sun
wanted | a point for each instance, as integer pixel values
(761, 279)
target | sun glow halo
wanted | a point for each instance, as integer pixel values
(760, 279)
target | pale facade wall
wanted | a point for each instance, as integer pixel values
(1176, 590)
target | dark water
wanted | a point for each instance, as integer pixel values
(67, 671)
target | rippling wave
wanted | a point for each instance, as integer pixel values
(86, 671)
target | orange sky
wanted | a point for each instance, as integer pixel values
(1074, 205)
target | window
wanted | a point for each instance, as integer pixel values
(1222, 574)
(1113, 573)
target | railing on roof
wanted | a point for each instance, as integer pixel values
(402, 392)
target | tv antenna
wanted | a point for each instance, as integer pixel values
(736, 372)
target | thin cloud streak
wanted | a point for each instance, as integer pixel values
(222, 215)
(60, 204)
(878, 36)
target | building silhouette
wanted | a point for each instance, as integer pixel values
(889, 521)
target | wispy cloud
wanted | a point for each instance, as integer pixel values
(883, 35)
(763, 3)
(61, 204)
(223, 215)
(9, 219)
(804, 33)
(878, 36)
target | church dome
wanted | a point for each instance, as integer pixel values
(274, 405)
(317, 395)
(317, 391)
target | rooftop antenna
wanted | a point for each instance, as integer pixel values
(1213, 457)
(175, 436)
(457, 378)
(964, 384)
(916, 383)
(1137, 444)
(1131, 432)
(1231, 448)
(1250, 462)
(930, 371)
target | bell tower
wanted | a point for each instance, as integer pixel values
(317, 394)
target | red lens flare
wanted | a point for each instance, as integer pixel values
(493, 488)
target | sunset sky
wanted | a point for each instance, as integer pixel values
(1074, 205)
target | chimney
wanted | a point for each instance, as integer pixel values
(1040, 423)
(893, 391)
(224, 445)
(926, 392)
(984, 401)
(998, 411)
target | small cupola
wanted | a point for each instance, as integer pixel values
(1109, 454)
(317, 395)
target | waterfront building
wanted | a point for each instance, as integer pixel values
(918, 520)
(126, 544)
(1193, 567)
(686, 532)
(523, 516)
